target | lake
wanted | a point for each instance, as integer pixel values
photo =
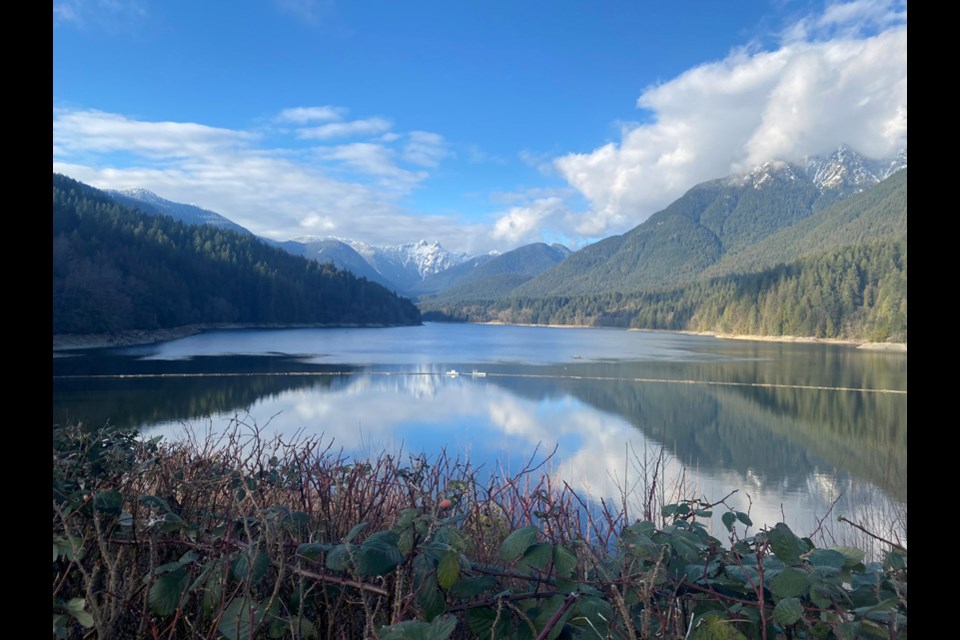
(793, 427)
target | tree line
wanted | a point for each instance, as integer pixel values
(854, 292)
(117, 269)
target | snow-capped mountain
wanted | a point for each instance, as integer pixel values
(401, 266)
(425, 258)
(848, 171)
(765, 175)
(151, 203)
(829, 179)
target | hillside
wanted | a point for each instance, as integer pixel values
(879, 212)
(497, 277)
(762, 254)
(115, 269)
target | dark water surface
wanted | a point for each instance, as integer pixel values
(792, 426)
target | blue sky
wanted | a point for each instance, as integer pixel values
(484, 125)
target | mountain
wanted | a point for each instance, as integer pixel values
(339, 254)
(811, 249)
(451, 276)
(713, 219)
(502, 274)
(405, 265)
(875, 213)
(118, 269)
(151, 203)
(845, 173)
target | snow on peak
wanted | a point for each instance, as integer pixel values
(843, 170)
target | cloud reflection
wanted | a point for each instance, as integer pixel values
(599, 454)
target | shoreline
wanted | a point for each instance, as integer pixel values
(897, 347)
(70, 342)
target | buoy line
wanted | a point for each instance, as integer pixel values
(544, 376)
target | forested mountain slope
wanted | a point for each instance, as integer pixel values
(856, 292)
(117, 269)
(499, 276)
(879, 212)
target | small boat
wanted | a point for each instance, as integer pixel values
(479, 374)
(453, 373)
(578, 357)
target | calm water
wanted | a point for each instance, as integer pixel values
(792, 426)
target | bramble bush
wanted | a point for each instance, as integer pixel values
(245, 536)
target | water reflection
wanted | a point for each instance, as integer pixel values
(789, 446)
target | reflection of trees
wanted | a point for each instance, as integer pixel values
(127, 402)
(779, 434)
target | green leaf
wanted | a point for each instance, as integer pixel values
(165, 594)
(355, 531)
(785, 545)
(59, 626)
(155, 501)
(539, 555)
(484, 622)
(593, 613)
(851, 556)
(303, 628)
(76, 607)
(895, 560)
(518, 542)
(548, 608)
(788, 611)
(564, 561)
(379, 554)
(240, 618)
(405, 543)
(449, 569)
(442, 627)
(744, 518)
(848, 631)
(108, 502)
(171, 523)
(429, 596)
(729, 518)
(313, 549)
(472, 586)
(338, 559)
(213, 589)
(789, 583)
(251, 563)
(826, 558)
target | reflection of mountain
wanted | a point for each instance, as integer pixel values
(133, 401)
(778, 435)
(775, 433)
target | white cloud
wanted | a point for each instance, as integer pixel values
(425, 148)
(112, 16)
(351, 190)
(366, 127)
(855, 17)
(805, 98)
(96, 131)
(302, 115)
(523, 224)
(374, 160)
